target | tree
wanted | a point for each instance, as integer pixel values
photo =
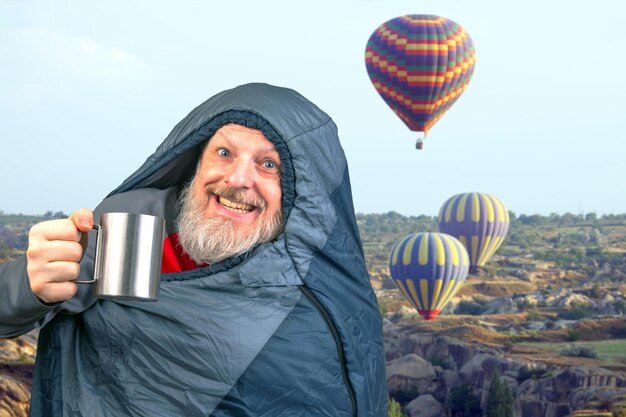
(394, 409)
(462, 402)
(512, 216)
(532, 220)
(500, 399)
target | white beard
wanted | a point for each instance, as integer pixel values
(210, 240)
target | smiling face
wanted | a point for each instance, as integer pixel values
(240, 172)
(234, 200)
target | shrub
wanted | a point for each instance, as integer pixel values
(574, 334)
(441, 361)
(576, 313)
(394, 409)
(531, 372)
(396, 316)
(578, 351)
(619, 411)
(597, 292)
(531, 334)
(471, 308)
(533, 314)
(514, 338)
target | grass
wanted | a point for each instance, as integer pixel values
(611, 353)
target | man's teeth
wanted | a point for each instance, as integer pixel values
(236, 207)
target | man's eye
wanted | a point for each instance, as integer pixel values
(223, 152)
(270, 164)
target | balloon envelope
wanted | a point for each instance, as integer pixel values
(420, 65)
(428, 268)
(479, 220)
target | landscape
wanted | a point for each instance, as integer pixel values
(543, 323)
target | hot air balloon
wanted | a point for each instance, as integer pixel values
(428, 268)
(479, 220)
(420, 65)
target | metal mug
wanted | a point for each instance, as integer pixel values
(129, 251)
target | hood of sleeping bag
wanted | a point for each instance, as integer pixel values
(291, 325)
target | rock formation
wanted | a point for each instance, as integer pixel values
(422, 369)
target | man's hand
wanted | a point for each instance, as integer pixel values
(54, 250)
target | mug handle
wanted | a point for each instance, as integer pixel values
(96, 264)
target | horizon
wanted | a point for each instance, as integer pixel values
(517, 215)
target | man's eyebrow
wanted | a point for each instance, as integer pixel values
(267, 150)
(271, 149)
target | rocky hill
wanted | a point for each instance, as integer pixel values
(425, 369)
(17, 357)
(546, 314)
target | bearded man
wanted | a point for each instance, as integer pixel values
(233, 201)
(265, 305)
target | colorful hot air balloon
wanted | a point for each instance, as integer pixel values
(479, 220)
(428, 268)
(420, 65)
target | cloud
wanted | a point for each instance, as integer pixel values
(76, 56)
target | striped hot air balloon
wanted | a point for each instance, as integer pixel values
(420, 65)
(479, 220)
(428, 268)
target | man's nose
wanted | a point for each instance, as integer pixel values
(240, 174)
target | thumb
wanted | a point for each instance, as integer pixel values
(82, 219)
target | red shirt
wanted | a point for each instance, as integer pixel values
(174, 258)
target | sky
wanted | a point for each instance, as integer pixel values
(88, 90)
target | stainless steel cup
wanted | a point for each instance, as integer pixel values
(129, 251)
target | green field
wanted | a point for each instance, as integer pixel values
(611, 353)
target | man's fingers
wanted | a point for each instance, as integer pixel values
(60, 229)
(83, 219)
(56, 250)
(57, 291)
(55, 280)
(62, 271)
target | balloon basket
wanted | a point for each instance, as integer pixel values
(428, 314)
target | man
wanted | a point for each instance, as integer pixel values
(265, 305)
